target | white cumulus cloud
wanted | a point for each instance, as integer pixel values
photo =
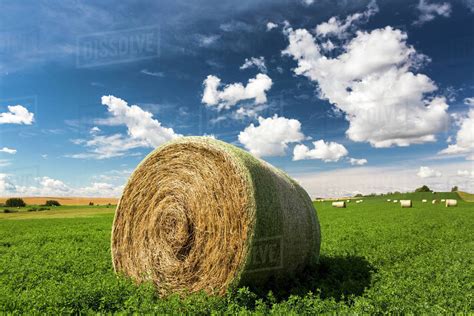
(258, 62)
(373, 84)
(469, 101)
(464, 138)
(6, 184)
(429, 11)
(47, 186)
(142, 131)
(326, 151)
(271, 26)
(141, 125)
(8, 150)
(272, 136)
(427, 172)
(357, 162)
(339, 28)
(17, 114)
(231, 94)
(466, 173)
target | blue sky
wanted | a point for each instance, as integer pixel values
(346, 96)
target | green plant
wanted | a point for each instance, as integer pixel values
(52, 203)
(10, 211)
(423, 188)
(15, 202)
(63, 266)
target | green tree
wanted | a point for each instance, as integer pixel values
(52, 203)
(423, 188)
(454, 189)
(15, 202)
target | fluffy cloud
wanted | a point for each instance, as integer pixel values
(207, 40)
(326, 151)
(427, 172)
(258, 62)
(7, 150)
(464, 138)
(140, 124)
(373, 84)
(46, 186)
(107, 146)
(357, 162)
(335, 27)
(100, 189)
(469, 101)
(231, 94)
(6, 184)
(17, 114)
(142, 131)
(272, 136)
(252, 112)
(271, 26)
(466, 173)
(50, 185)
(429, 11)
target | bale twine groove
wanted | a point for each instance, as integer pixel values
(199, 214)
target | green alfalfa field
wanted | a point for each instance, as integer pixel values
(375, 258)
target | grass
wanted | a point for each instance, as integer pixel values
(468, 197)
(69, 211)
(376, 258)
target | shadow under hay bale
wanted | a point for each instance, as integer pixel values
(334, 277)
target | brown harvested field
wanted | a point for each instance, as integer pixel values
(66, 200)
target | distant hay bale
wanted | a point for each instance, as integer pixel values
(405, 203)
(451, 202)
(424, 201)
(198, 214)
(443, 200)
(434, 202)
(395, 201)
(388, 200)
(339, 204)
(359, 201)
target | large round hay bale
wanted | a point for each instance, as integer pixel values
(200, 214)
(405, 203)
(339, 204)
(451, 202)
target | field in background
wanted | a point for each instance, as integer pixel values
(415, 196)
(66, 211)
(468, 197)
(66, 200)
(375, 257)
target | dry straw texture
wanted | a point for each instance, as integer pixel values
(451, 202)
(405, 203)
(200, 214)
